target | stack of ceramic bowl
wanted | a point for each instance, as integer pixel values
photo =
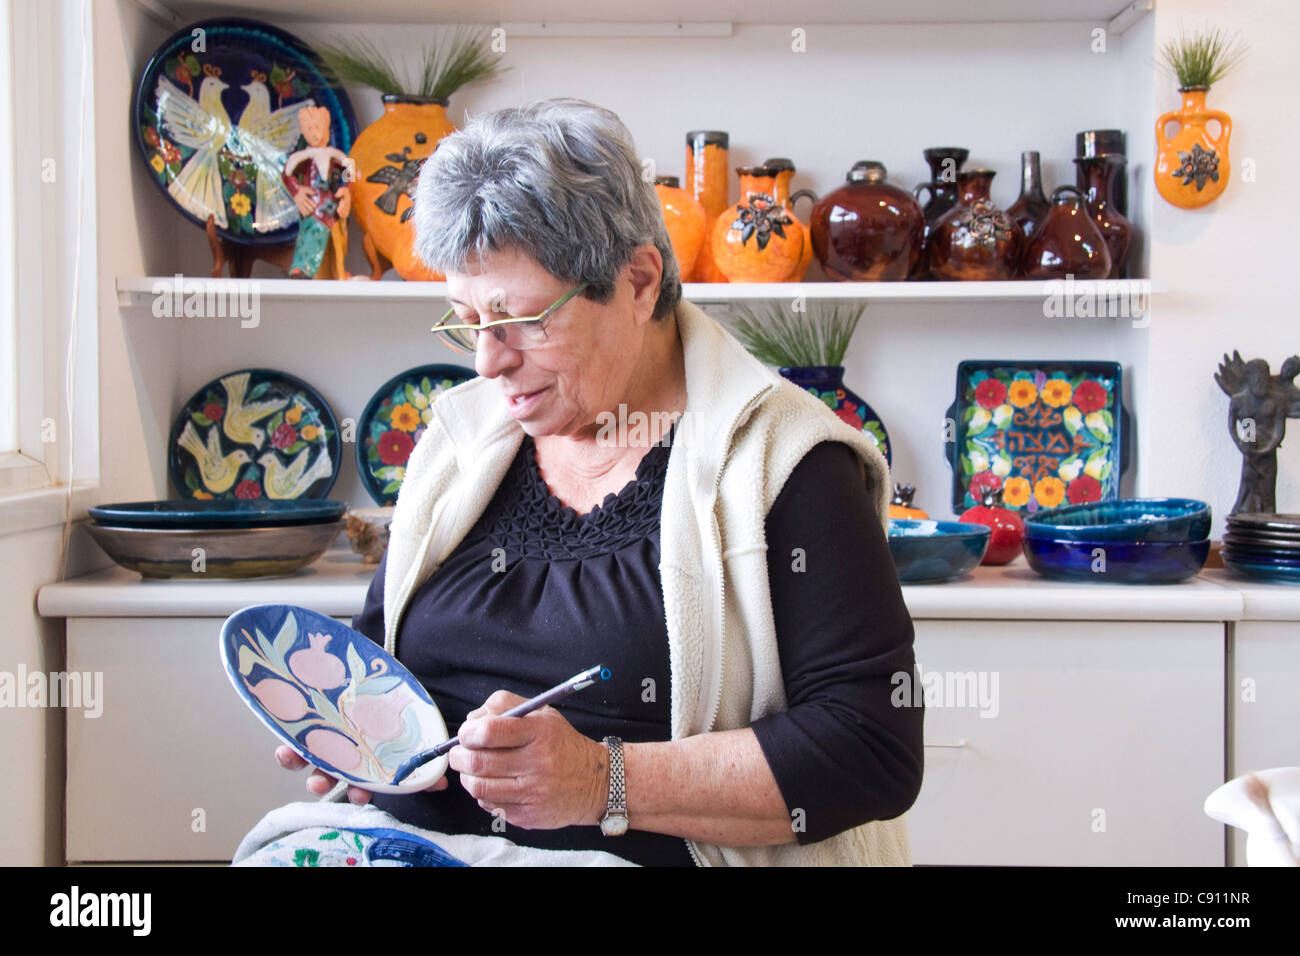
(1266, 546)
(202, 539)
(1129, 540)
(926, 550)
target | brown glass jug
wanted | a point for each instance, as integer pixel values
(1067, 242)
(945, 164)
(975, 239)
(1099, 179)
(867, 230)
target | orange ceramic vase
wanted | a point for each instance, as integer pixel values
(707, 169)
(389, 153)
(788, 199)
(1192, 166)
(758, 239)
(685, 220)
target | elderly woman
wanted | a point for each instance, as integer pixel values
(733, 574)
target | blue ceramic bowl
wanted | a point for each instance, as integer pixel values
(1126, 519)
(935, 550)
(1117, 562)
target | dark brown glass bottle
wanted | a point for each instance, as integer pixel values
(1099, 177)
(867, 230)
(1030, 208)
(975, 239)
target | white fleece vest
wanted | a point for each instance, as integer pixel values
(744, 430)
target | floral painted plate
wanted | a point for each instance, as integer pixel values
(1046, 433)
(393, 422)
(255, 433)
(334, 695)
(215, 116)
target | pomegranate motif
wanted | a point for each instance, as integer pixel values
(280, 698)
(380, 716)
(334, 749)
(317, 667)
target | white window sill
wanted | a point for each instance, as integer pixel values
(45, 507)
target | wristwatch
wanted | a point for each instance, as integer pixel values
(615, 819)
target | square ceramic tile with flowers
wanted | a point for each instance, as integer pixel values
(1045, 434)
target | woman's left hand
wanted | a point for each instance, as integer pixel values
(535, 771)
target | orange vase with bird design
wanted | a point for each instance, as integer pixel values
(389, 153)
(1192, 166)
(758, 239)
(685, 220)
(787, 199)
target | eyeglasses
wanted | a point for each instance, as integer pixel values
(520, 332)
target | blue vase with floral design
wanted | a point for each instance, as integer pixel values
(826, 382)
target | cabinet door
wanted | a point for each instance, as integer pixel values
(176, 767)
(1264, 704)
(1093, 743)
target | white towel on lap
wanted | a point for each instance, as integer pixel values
(334, 834)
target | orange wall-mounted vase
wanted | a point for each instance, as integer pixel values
(389, 153)
(758, 239)
(788, 199)
(685, 220)
(1192, 166)
(707, 172)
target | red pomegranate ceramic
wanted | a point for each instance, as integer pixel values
(1007, 531)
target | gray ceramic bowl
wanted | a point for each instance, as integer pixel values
(234, 553)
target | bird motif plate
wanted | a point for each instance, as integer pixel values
(334, 695)
(393, 422)
(215, 116)
(255, 433)
(1046, 433)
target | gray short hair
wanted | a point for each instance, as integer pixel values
(560, 181)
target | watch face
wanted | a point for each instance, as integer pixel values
(613, 825)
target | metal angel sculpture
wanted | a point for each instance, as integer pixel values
(1258, 407)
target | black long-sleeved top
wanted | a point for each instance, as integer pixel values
(536, 592)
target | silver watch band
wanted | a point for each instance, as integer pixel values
(615, 820)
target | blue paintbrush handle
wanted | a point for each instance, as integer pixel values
(558, 692)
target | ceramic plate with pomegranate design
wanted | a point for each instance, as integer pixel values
(334, 695)
(255, 433)
(215, 117)
(393, 422)
(1046, 433)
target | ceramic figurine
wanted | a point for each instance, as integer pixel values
(900, 505)
(707, 172)
(1192, 167)
(945, 163)
(1067, 242)
(1031, 206)
(868, 230)
(975, 239)
(787, 199)
(685, 220)
(758, 239)
(1098, 179)
(1258, 407)
(319, 179)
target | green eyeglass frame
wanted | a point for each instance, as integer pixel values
(517, 332)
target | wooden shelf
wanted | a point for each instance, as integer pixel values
(135, 291)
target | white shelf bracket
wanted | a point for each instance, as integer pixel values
(1126, 18)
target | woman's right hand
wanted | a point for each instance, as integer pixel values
(321, 783)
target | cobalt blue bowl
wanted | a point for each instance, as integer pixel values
(1117, 562)
(1125, 519)
(926, 550)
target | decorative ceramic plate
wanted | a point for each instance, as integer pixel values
(1258, 521)
(255, 433)
(215, 116)
(393, 422)
(332, 694)
(1046, 433)
(1264, 570)
(197, 514)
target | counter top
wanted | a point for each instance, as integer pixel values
(337, 584)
